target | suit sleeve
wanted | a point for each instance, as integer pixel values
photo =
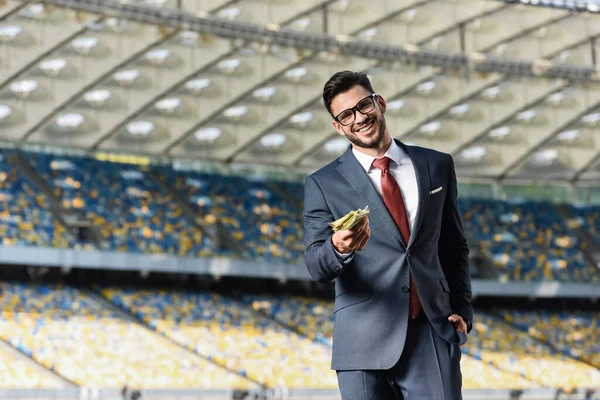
(454, 252)
(319, 255)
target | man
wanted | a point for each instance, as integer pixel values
(402, 307)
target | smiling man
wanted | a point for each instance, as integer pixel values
(403, 294)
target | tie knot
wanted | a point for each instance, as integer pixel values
(382, 163)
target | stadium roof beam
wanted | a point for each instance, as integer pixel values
(323, 42)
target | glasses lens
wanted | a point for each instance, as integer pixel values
(346, 117)
(365, 105)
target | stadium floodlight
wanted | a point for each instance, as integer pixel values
(301, 118)
(264, 93)
(54, 66)
(426, 88)
(230, 65)
(208, 134)
(569, 135)
(295, 74)
(84, 45)
(158, 56)
(474, 153)
(235, 112)
(369, 34)
(591, 119)
(230, 13)
(140, 128)
(500, 132)
(409, 16)
(430, 128)
(69, 120)
(24, 87)
(526, 115)
(189, 38)
(460, 110)
(97, 97)
(395, 105)
(9, 33)
(556, 98)
(273, 140)
(33, 11)
(168, 105)
(127, 77)
(491, 93)
(5, 112)
(198, 85)
(336, 145)
(544, 157)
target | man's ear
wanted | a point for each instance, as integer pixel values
(382, 104)
(338, 127)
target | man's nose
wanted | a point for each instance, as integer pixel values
(360, 118)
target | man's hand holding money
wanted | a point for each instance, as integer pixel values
(352, 239)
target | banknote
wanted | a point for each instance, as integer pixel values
(349, 220)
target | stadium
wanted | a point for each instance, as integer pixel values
(152, 164)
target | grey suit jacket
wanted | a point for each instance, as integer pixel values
(371, 297)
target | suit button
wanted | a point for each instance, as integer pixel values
(407, 253)
(405, 289)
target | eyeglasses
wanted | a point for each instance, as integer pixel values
(364, 106)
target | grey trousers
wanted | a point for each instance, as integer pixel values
(429, 369)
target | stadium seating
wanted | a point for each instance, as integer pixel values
(25, 219)
(77, 337)
(527, 240)
(496, 343)
(314, 318)
(268, 226)
(573, 333)
(129, 209)
(231, 335)
(16, 373)
(590, 218)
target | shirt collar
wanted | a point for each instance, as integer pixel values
(394, 152)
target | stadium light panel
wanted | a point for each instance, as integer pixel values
(296, 73)
(568, 135)
(336, 145)
(85, 44)
(209, 134)
(5, 112)
(474, 153)
(545, 157)
(189, 38)
(527, 115)
(97, 97)
(24, 87)
(169, 104)
(127, 76)
(426, 87)
(460, 110)
(70, 120)
(140, 128)
(395, 105)
(197, 85)
(230, 13)
(264, 93)
(500, 132)
(301, 24)
(273, 140)
(230, 65)
(158, 56)
(431, 127)
(10, 32)
(591, 118)
(235, 112)
(301, 118)
(53, 66)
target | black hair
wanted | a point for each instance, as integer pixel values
(341, 82)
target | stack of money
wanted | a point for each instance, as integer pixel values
(349, 220)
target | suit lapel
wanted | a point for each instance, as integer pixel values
(356, 177)
(422, 172)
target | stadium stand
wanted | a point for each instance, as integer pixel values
(573, 333)
(25, 218)
(72, 334)
(231, 335)
(130, 210)
(266, 224)
(314, 318)
(18, 373)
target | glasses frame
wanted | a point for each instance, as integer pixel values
(354, 109)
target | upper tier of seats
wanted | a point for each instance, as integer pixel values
(134, 212)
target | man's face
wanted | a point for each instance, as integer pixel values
(367, 130)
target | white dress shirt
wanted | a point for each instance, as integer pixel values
(403, 171)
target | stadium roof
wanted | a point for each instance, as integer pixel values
(97, 81)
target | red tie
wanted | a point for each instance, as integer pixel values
(392, 197)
